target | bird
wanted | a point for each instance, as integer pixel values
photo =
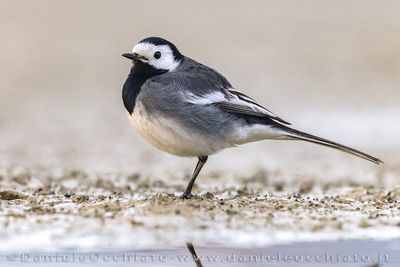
(188, 109)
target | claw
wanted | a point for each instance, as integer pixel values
(186, 195)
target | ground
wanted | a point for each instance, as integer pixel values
(65, 208)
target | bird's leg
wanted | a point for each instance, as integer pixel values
(188, 191)
(194, 254)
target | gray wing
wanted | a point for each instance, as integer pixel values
(239, 103)
(198, 84)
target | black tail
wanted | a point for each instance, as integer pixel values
(298, 135)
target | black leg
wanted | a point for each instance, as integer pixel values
(188, 191)
(194, 254)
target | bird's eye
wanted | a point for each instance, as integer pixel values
(157, 55)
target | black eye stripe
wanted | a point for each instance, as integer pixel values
(157, 55)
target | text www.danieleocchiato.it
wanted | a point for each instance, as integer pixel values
(130, 257)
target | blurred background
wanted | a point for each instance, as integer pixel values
(331, 68)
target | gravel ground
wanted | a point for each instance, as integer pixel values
(80, 209)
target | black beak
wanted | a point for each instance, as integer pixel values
(134, 56)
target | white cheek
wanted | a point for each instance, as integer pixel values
(164, 63)
(167, 60)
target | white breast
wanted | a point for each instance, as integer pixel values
(172, 137)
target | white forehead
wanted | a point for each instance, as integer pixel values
(167, 60)
(145, 48)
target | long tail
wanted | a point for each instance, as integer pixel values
(298, 135)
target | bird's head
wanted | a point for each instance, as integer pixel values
(157, 53)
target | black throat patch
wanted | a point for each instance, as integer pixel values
(140, 73)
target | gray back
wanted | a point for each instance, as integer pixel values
(165, 94)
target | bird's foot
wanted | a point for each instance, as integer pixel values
(186, 195)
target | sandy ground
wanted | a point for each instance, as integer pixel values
(74, 208)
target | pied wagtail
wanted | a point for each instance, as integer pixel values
(190, 110)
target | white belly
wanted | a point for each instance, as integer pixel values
(168, 135)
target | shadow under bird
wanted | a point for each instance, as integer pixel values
(189, 109)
